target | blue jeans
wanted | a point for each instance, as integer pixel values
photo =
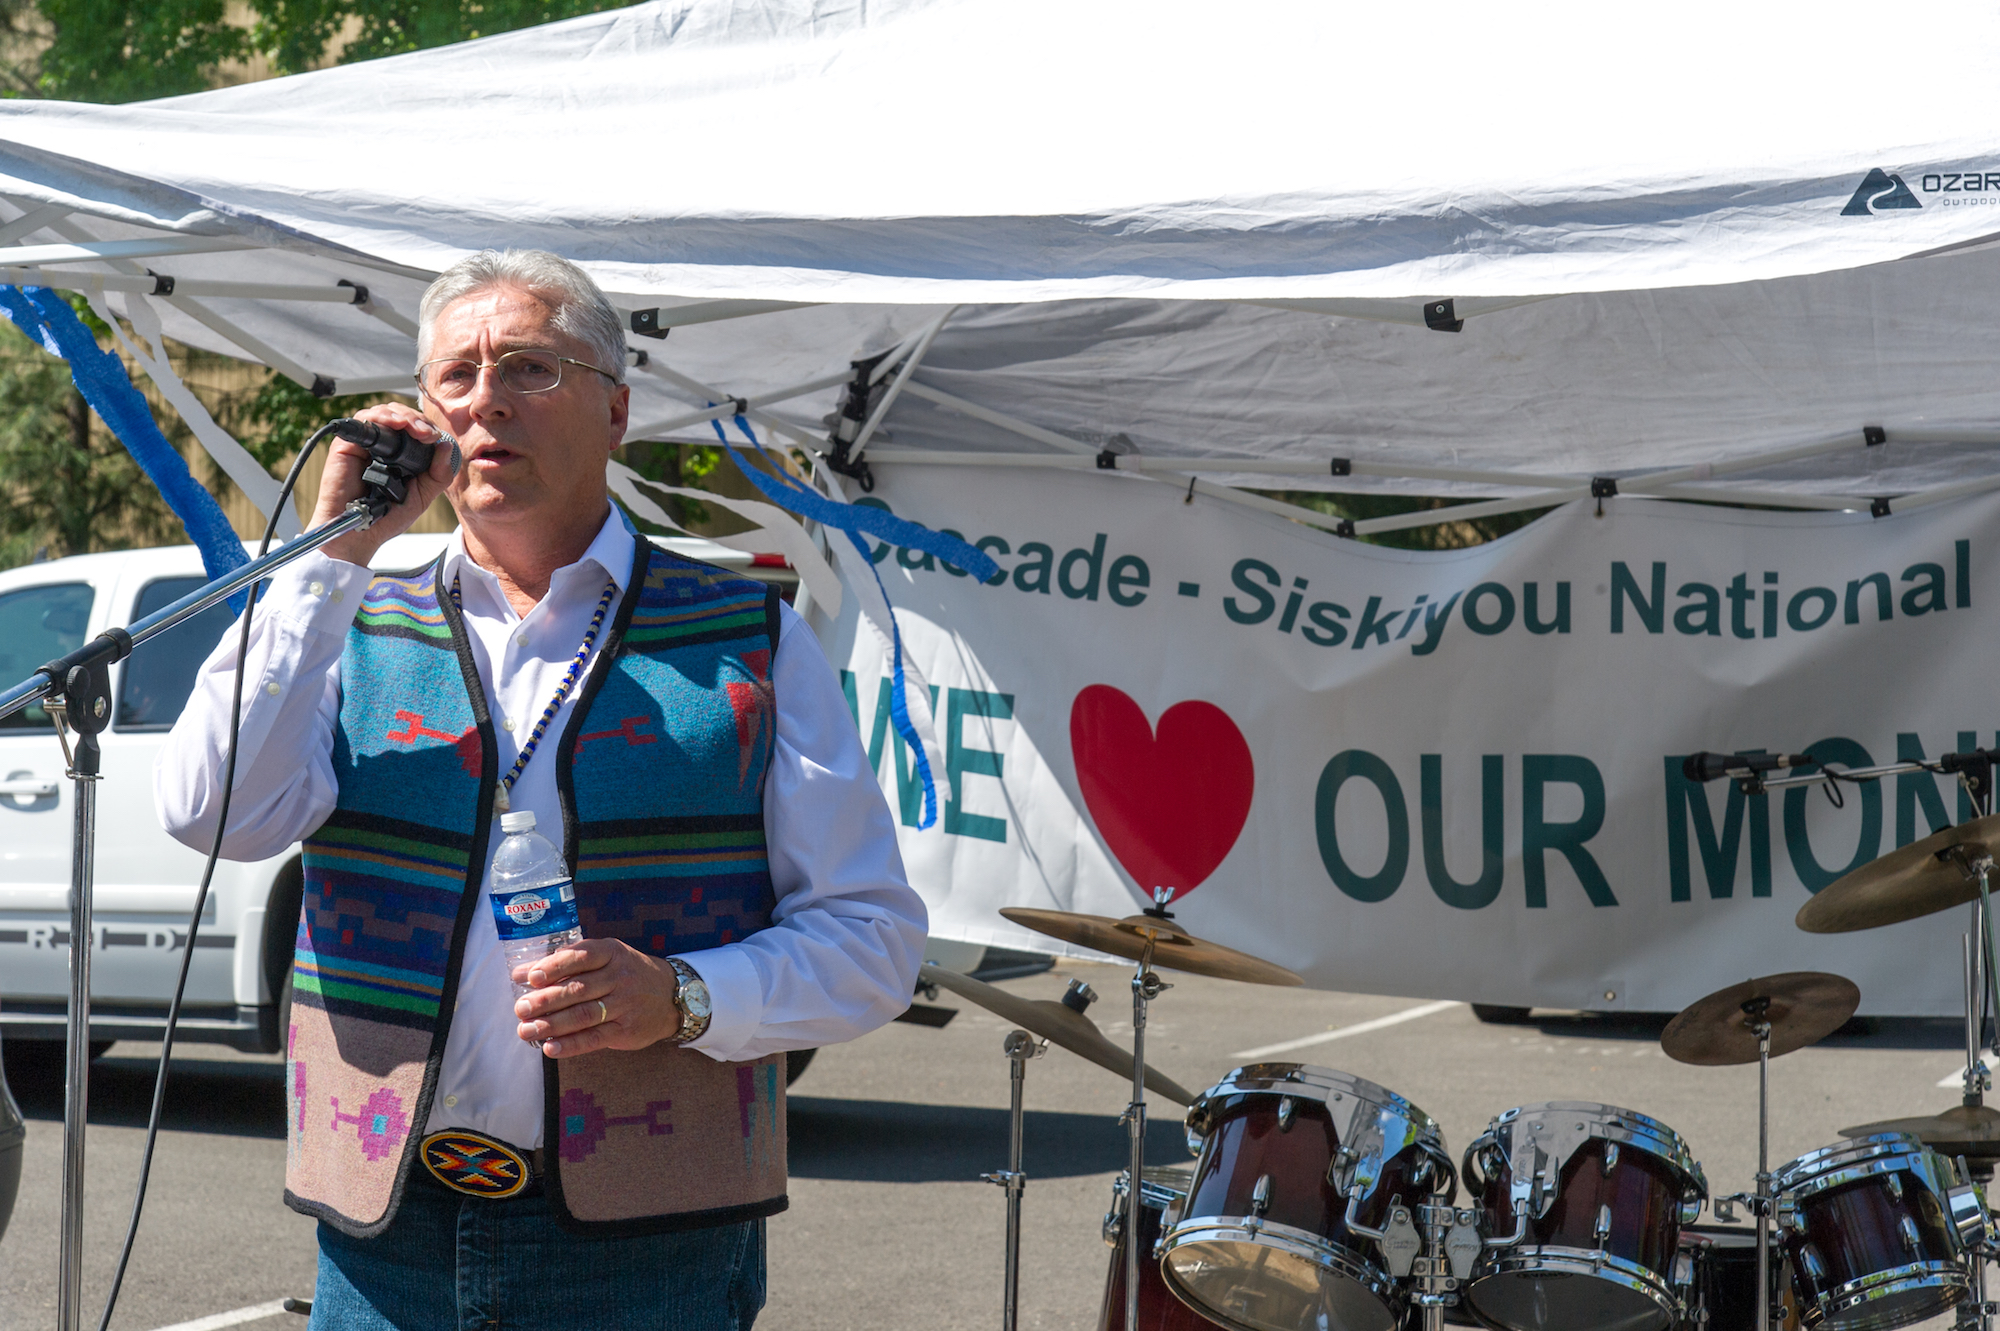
(454, 1263)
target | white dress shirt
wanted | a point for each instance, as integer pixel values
(848, 932)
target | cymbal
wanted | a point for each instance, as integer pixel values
(1176, 948)
(1972, 1131)
(1919, 879)
(1803, 1007)
(1056, 1023)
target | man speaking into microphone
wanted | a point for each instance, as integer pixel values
(677, 734)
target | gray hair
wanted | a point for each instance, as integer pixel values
(581, 310)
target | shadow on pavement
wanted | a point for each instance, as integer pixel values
(887, 1141)
(1860, 1033)
(228, 1098)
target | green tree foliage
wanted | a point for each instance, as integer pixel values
(72, 488)
(117, 51)
(296, 34)
(1455, 535)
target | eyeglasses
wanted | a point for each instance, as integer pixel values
(530, 371)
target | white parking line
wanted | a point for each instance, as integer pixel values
(216, 1321)
(1358, 1028)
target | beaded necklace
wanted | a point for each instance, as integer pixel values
(575, 672)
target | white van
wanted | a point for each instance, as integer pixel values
(146, 881)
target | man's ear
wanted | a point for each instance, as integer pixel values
(620, 413)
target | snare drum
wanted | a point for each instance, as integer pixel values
(1594, 1198)
(1160, 1198)
(1876, 1230)
(1300, 1168)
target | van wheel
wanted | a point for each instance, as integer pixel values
(1499, 1016)
(795, 1063)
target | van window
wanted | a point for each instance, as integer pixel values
(160, 673)
(38, 624)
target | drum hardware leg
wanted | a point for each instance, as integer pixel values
(1146, 986)
(1019, 1048)
(1977, 1079)
(1756, 1014)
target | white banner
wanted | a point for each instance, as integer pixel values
(1443, 775)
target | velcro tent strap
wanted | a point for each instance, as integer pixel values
(100, 376)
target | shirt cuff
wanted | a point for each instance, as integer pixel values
(735, 997)
(318, 592)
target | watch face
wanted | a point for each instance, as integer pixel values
(694, 997)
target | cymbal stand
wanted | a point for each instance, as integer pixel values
(1146, 986)
(1757, 1017)
(1019, 1048)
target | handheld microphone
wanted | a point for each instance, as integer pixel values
(396, 456)
(1714, 766)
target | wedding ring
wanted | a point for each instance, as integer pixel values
(603, 1012)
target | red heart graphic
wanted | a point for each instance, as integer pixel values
(1169, 805)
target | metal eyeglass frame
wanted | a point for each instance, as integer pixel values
(496, 364)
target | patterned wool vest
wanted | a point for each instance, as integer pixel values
(661, 771)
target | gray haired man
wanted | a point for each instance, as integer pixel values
(675, 729)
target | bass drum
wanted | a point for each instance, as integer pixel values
(1876, 1230)
(1593, 1198)
(1299, 1171)
(1160, 1202)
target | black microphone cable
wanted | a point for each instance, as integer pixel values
(207, 875)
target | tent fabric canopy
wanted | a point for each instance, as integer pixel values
(1176, 233)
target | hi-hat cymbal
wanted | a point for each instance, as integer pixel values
(1056, 1023)
(1919, 879)
(1175, 948)
(1803, 1007)
(1972, 1131)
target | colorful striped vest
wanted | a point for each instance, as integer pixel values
(661, 771)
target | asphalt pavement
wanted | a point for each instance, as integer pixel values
(890, 1226)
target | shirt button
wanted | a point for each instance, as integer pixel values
(451, 1102)
(522, 640)
(318, 589)
(272, 688)
(336, 593)
(508, 723)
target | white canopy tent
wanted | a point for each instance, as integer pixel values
(1725, 253)
(1214, 246)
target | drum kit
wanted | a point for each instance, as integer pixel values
(1319, 1201)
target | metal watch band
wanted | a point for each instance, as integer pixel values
(692, 1026)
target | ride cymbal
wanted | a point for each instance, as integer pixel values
(1175, 948)
(1919, 879)
(1803, 1007)
(1057, 1023)
(1972, 1131)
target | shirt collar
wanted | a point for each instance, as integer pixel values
(612, 551)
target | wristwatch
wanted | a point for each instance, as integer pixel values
(691, 997)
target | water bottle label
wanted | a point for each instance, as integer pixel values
(535, 911)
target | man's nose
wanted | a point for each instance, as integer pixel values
(489, 398)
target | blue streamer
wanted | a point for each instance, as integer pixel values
(853, 519)
(100, 376)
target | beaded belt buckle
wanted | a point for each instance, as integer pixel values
(476, 1165)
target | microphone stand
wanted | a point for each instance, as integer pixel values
(76, 690)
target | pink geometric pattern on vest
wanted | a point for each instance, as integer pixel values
(585, 1124)
(381, 1125)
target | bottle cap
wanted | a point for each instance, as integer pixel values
(521, 820)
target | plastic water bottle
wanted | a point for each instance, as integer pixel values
(534, 901)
